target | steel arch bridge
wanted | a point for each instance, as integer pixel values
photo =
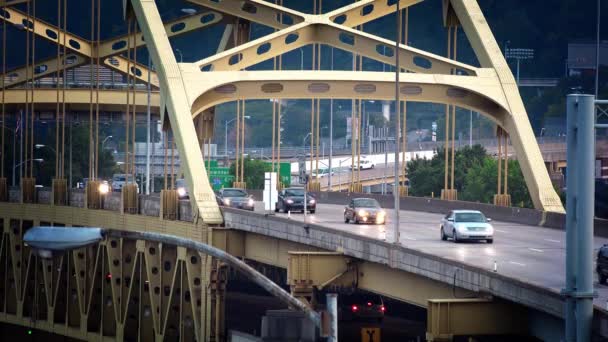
(188, 90)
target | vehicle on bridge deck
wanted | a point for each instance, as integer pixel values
(364, 210)
(322, 173)
(466, 225)
(364, 164)
(235, 198)
(182, 189)
(361, 307)
(292, 199)
(602, 264)
(120, 179)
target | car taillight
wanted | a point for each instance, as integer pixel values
(369, 303)
(382, 308)
(354, 308)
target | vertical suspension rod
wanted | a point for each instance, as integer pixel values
(128, 107)
(447, 123)
(454, 56)
(91, 88)
(133, 71)
(98, 44)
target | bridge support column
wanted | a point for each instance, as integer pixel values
(169, 204)
(217, 281)
(3, 190)
(28, 190)
(447, 318)
(59, 190)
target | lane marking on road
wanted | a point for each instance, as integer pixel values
(552, 240)
(516, 263)
(500, 230)
(410, 238)
(536, 250)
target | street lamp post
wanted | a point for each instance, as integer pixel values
(226, 134)
(37, 160)
(519, 54)
(597, 49)
(181, 56)
(47, 241)
(104, 141)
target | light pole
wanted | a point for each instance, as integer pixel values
(301, 59)
(181, 56)
(226, 134)
(189, 11)
(519, 54)
(37, 160)
(597, 49)
(104, 141)
(39, 146)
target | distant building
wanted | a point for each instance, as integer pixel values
(581, 57)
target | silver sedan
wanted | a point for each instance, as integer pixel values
(466, 225)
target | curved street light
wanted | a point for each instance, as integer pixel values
(47, 241)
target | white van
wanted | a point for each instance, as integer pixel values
(120, 179)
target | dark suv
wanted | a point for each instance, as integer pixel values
(602, 264)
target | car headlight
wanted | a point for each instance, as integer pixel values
(490, 230)
(250, 202)
(362, 213)
(104, 188)
(312, 201)
(289, 201)
(181, 192)
(226, 201)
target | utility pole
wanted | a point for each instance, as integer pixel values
(597, 50)
(579, 293)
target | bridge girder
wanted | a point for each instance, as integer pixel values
(109, 52)
(322, 29)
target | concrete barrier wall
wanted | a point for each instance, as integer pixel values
(432, 205)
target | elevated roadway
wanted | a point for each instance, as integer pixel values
(529, 258)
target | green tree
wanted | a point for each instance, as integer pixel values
(480, 183)
(254, 172)
(475, 177)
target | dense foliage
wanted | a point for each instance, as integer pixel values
(253, 172)
(475, 176)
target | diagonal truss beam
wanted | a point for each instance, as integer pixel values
(260, 12)
(175, 100)
(365, 44)
(326, 30)
(118, 45)
(47, 31)
(44, 68)
(5, 3)
(110, 48)
(364, 11)
(517, 124)
(268, 14)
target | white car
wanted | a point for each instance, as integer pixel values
(365, 164)
(322, 173)
(466, 225)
